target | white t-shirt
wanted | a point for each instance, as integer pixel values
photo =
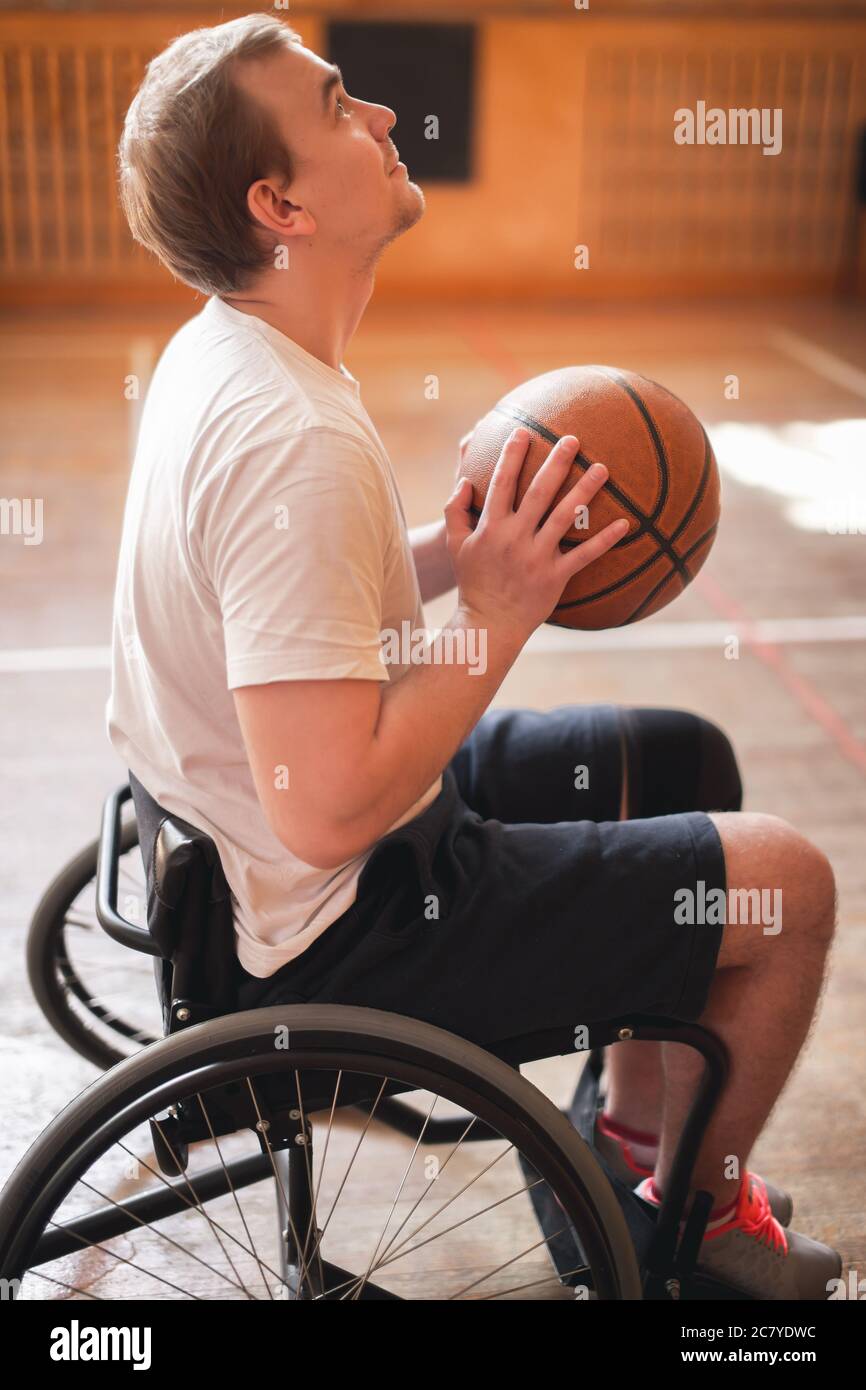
(264, 540)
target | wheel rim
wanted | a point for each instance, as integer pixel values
(412, 1218)
(98, 996)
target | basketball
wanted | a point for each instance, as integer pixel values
(663, 478)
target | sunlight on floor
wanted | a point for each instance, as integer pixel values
(819, 468)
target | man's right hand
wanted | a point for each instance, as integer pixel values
(510, 569)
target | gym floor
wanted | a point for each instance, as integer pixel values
(786, 577)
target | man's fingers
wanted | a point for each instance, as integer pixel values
(503, 485)
(584, 554)
(571, 511)
(458, 522)
(548, 480)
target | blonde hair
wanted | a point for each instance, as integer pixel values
(192, 144)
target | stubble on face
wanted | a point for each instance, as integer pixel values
(409, 211)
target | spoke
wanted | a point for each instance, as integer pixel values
(321, 1235)
(327, 1139)
(362, 1283)
(454, 1195)
(262, 1127)
(383, 1264)
(505, 1264)
(95, 1015)
(94, 1245)
(312, 1220)
(254, 1252)
(200, 1208)
(73, 919)
(248, 1250)
(162, 1235)
(520, 1192)
(410, 1213)
(110, 967)
(61, 1284)
(548, 1279)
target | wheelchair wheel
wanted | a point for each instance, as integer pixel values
(309, 1152)
(99, 997)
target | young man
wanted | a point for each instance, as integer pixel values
(386, 842)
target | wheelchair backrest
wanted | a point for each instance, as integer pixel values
(189, 915)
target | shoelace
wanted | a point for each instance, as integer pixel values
(755, 1217)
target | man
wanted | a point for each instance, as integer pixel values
(388, 843)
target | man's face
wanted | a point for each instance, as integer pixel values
(342, 151)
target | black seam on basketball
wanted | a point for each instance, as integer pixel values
(633, 617)
(658, 443)
(645, 523)
(711, 531)
(645, 602)
(612, 588)
(620, 583)
(702, 487)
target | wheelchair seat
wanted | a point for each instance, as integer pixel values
(189, 916)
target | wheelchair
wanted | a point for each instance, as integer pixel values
(219, 1156)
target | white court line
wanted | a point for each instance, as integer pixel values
(685, 636)
(658, 637)
(25, 659)
(820, 361)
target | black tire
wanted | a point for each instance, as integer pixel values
(323, 1039)
(71, 1008)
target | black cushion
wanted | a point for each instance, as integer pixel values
(189, 914)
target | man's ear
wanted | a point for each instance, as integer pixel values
(274, 211)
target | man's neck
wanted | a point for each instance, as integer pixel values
(321, 319)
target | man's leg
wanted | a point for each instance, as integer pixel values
(671, 761)
(761, 1001)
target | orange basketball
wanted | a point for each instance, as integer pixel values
(662, 477)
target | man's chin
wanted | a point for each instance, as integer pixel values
(412, 207)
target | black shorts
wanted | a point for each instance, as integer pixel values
(517, 900)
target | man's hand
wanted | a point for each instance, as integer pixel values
(510, 569)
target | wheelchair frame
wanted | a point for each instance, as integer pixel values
(668, 1270)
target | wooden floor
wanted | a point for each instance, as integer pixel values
(788, 575)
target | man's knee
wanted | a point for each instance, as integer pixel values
(720, 787)
(678, 761)
(779, 884)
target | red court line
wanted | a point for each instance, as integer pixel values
(802, 689)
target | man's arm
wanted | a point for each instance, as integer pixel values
(432, 561)
(359, 753)
(430, 548)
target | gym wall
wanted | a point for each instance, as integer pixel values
(541, 106)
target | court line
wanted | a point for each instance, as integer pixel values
(547, 640)
(820, 361)
(800, 687)
(24, 660)
(694, 636)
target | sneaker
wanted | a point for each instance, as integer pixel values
(620, 1159)
(753, 1253)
